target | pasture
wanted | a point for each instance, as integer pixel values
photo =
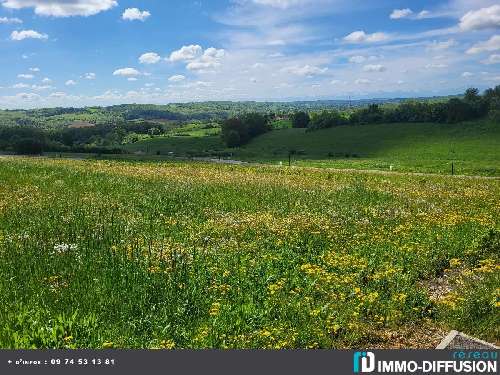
(114, 254)
(472, 147)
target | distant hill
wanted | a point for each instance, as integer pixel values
(202, 111)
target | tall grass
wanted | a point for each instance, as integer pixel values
(185, 255)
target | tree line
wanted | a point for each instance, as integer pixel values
(470, 107)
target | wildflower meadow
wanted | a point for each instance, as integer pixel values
(102, 254)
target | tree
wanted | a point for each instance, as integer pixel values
(300, 120)
(28, 146)
(239, 131)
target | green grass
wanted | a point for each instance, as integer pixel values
(471, 147)
(191, 255)
(180, 146)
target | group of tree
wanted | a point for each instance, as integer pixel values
(237, 131)
(469, 107)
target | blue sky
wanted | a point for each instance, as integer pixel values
(102, 52)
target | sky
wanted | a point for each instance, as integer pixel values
(103, 52)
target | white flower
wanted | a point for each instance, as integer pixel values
(64, 248)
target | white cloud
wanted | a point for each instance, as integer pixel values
(492, 44)
(6, 20)
(46, 80)
(36, 70)
(283, 4)
(374, 68)
(357, 59)
(27, 34)
(362, 37)
(493, 59)
(439, 46)
(467, 74)
(436, 66)
(126, 72)
(62, 8)
(306, 70)
(58, 95)
(89, 76)
(401, 13)
(70, 83)
(211, 59)
(41, 88)
(26, 76)
(186, 53)
(20, 86)
(132, 79)
(177, 78)
(484, 18)
(362, 81)
(423, 14)
(149, 58)
(135, 14)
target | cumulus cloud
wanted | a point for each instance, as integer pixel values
(27, 34)
(46, 80)
(62, 8)
(186, 53)
(89, 76)
(135, 14)
(126, 72)
(177, 78)
(26, 76)
(484, 18)
(493, 59)
(36, 70)
(6, 20)
(305, 71)
(70, 83)
(211, 59)
(401, 13)
(374, 68)
(362, 37)
(149, 58)
(492, 44)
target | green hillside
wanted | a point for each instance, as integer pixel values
(473, 147)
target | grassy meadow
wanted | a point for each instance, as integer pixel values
(103, 254)
(430, 148)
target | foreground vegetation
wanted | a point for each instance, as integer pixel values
(100, 254)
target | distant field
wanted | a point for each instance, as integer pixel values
(101, 254)
(472, 147)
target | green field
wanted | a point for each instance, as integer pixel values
(472, 147)
(102, 254)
